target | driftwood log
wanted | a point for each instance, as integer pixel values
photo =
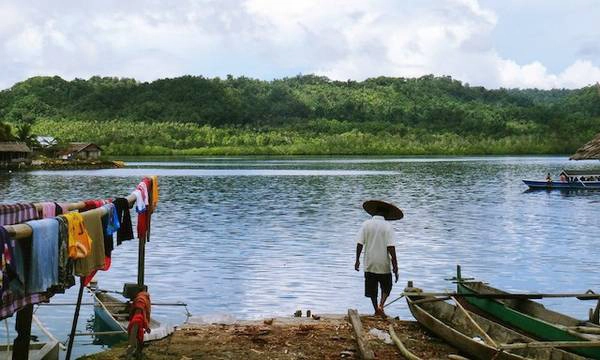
(363, 346)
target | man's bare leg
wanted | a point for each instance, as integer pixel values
(374, 302)
(384, 297)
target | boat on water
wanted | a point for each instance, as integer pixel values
(569, 180)
(113, 313)
(530, 317)
(452, 324)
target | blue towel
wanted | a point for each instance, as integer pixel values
(43, 272)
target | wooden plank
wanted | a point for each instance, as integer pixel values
(487, 338)
(363, 346)
(403, 350)
(551, 344)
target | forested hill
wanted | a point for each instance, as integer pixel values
(304, 114)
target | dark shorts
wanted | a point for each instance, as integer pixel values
(373, 281)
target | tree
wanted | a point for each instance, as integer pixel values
(5, 132)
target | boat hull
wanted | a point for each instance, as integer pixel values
(115, 317)
(560, 185)
(451, 324)
(554, 329)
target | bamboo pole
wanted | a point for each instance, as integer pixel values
(75, 318)
(585, 329)
(550, 344)
(488, 339)
(583, 296)
(403, 350)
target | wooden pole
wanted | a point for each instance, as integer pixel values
(403, 350)
(551, 344)
(23, 328)
(507, 295)
(487, 338)
(363, 346)
(75, 319)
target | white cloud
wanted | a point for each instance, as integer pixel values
(267, 38)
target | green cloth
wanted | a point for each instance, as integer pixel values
(92, 221)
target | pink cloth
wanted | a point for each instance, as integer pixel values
(48, 210)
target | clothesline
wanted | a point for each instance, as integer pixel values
(23, 231)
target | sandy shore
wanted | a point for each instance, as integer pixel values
(330, 337)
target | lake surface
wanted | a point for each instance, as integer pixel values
(257, 237)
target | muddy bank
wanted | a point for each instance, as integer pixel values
(330, 337)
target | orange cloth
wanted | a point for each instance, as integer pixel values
(154, 192)
(80, 243)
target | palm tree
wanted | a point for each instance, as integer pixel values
(24, 134)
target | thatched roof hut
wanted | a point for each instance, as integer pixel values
(13, 152)
(589, 151)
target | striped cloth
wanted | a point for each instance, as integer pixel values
(12, 304)
(11, 214)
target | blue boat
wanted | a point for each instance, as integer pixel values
(569, 180)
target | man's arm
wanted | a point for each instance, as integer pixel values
(392, 251)
(359, 248)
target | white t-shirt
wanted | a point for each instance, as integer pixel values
(376, 235)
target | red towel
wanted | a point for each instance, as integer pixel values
(140, 314)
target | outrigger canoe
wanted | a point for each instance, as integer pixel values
(454, 326)
(573, 180)
(114, 315)
(530, 317)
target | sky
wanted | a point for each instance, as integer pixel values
(492, 43)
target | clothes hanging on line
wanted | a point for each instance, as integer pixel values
(48, 210)
(154, 193)
(43, 268)
(65, 263)
(11, 214)
(95, 259)
(125, 231)
(80, 243)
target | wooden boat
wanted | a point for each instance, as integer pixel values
(37, 351)
(453, 325)
(530, 317)
(573, 180)
(114, 315)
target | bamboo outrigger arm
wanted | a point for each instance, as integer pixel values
(583, 296)
(23, 231)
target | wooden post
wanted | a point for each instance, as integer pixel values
(363, 347)
(75, 319)
(23, 328)
(141, 262)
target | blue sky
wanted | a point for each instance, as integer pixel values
(510, 43)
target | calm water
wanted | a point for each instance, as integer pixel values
(255, 237)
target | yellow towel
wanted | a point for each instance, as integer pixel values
(80, 243)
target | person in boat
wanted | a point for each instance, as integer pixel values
(548, 177)
(563, 178)
(376, 236)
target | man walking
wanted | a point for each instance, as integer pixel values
(377, 238)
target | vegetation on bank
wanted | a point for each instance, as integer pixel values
(300, 115)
